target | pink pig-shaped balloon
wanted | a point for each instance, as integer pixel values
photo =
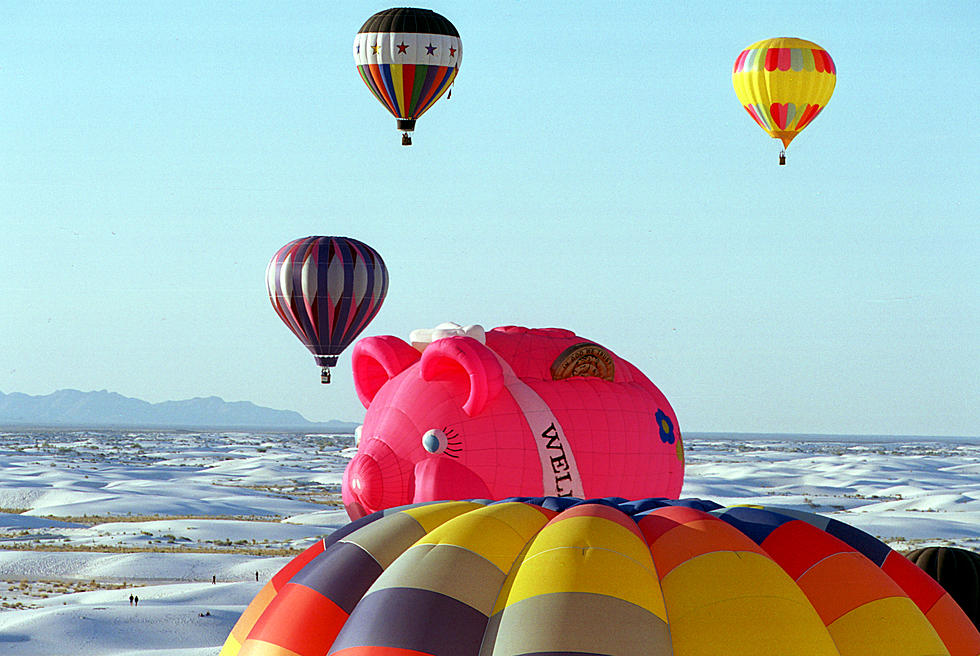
(510, 412)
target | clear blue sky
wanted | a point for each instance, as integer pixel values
(593, 170)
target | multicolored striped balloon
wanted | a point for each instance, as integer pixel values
(784, 84)
(327, 290)
(560, 576)
(408, 58)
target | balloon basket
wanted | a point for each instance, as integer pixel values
(782, 158)
(406, 125)
(325, 375)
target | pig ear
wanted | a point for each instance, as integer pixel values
(376, 360)
(486, 376)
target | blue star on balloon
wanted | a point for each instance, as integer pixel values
(666, 427)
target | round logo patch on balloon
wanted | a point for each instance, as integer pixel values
(583, 360)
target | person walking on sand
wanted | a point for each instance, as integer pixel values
(256, 576)
(130, 600)
(214, 579)
(136, 601)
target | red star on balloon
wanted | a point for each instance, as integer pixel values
(452, 52)
(402, 48)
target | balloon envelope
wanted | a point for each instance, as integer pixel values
(553, 575)
(326, 290)
(408, 58)
(784, 84)
(477, 413)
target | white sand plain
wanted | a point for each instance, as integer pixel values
(158, 514)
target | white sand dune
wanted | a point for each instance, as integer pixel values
(10, 521)
(905, 492)
(137, 567)
(119, 499)
(167, 621)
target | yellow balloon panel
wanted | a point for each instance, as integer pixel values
(870, 629)
(588, 532)
(592, 570)
(784, 84)
(755, 609)
(497, 533)
(429, 516)
(592, 553)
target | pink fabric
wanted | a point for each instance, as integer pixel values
(512, 430)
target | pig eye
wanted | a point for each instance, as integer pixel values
(439, 441)
(357, 434)
(434, 441)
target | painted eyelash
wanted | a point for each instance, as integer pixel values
(452, 439)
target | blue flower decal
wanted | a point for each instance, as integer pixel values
(666, 427)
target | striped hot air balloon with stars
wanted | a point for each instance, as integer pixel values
(408, 58)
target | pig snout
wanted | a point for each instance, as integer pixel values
(374, 480)
(363, 487)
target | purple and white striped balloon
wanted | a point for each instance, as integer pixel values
(327, 290)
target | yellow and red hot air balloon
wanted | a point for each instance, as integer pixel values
(784, 84)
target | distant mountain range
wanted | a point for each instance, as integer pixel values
(71, 408)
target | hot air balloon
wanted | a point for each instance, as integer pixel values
(465, 413)
(557, 575)
(408, 58)
(327, 290)
(784, 84)
(957, 570)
